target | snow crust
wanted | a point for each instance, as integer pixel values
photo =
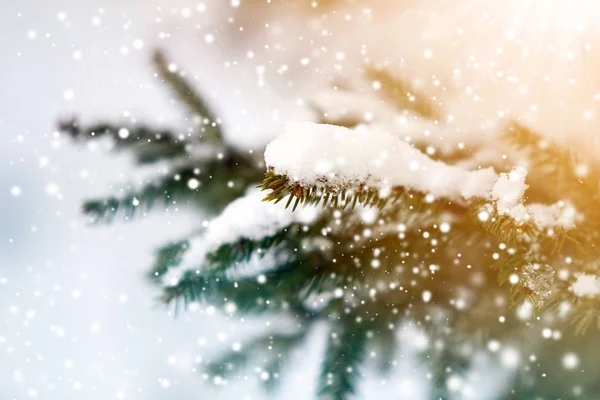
(251, 218)
(508, 193)
(370, 155)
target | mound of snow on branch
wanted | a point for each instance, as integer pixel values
(338, 157)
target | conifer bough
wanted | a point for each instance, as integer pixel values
(392, 235)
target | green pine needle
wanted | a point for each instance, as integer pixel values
(286, 286)
(164, 191)
(168, 256)
(220, 182)
(343, 360)
(146, 144)
(228, 255)
(187, 94)
(572, 177)
(322, 195)
(274, 349)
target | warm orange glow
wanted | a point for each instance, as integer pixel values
(533, 60)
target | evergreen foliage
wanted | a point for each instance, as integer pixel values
(205, 171)
(167, 257)
(343, 359)
(435, 264)
(403, 96)
(277, 347)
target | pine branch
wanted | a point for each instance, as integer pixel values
(186, 93)
(585, 312)
(503, 227)
(147, 145)
(321, 194)
(563, 173)
(275, 348)
(344, 357)
(445, 363)
(306, 270)
(229, 254)
(168, 256)
(274, 291)
(403, 96)
(387, 345)
(219, 181)
(277, 363)
(163, 191)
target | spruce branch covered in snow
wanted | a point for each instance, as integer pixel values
(337, 167)
(310, 162)
(379, 224)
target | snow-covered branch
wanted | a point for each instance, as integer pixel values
(247, 217)
(370, 156)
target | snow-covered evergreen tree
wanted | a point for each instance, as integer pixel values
(386, 215)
